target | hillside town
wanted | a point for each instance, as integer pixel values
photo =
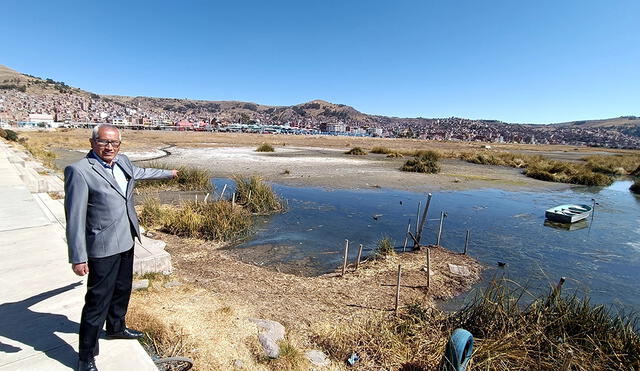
(26, 109)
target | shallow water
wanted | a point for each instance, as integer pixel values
(600, 257)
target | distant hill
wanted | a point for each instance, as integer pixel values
(12, 79)
(617, 121)
(75, 105)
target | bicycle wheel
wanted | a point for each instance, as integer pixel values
(174, 364)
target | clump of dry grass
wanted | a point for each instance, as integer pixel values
(510, 335)
(356, 151)
(189, 179)
(424, 162)
(265, 147)
(40, 152)
(614, 164)
(161, 339)
(564, 172)
(257, 196)
(218, 221)
(596, 172)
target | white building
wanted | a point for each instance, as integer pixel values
(120, 121)
(45, 119)
(336, 127)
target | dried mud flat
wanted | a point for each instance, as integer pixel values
(332, 168)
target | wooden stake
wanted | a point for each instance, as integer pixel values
(222, 194)
(418, 216)
(428, 268)
(422, 221)
(406, 237)
(346, 252)
(398, 289)
(249, 197)
(206, 197)
(442, 216)
(466, 242)
(359, 255)
(233, 199)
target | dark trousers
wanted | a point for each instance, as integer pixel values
(107, 298)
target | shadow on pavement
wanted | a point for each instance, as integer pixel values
(37, 329)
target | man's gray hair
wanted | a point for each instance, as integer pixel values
(96, 130)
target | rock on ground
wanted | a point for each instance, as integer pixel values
(317, 358)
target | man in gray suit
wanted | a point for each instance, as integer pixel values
(101, 228)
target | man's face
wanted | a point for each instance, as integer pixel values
(107, 145)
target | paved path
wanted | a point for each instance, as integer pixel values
(40, 297)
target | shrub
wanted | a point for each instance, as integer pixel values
(257, 196)
(424, 162)
(3, 134)
(395, 155)
(384, 248)
(265, 147)
(11, 135)
(356, 151)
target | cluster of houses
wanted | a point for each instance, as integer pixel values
(27, 110)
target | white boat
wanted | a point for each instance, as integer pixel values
(569, 213)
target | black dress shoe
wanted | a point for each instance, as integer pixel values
(88, 365)
(127, 333)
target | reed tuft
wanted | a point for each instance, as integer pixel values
(219, 220)
(265, 147)
(384, 248)
(423, 162)
(257, 196)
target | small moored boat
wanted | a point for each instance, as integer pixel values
(568, 213)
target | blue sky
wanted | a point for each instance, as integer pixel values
(517, 61)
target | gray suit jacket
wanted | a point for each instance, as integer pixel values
(101, 220)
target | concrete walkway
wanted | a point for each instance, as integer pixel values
(40, 297)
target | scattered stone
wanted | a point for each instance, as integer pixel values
(271, 333)
(173, 283)
(238, 364)
(317, 358)
(140, 284)
(271, 348)
(272, 329)
(459, 270)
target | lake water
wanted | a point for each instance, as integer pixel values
(601, 257)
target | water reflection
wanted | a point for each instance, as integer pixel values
(603, 259)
